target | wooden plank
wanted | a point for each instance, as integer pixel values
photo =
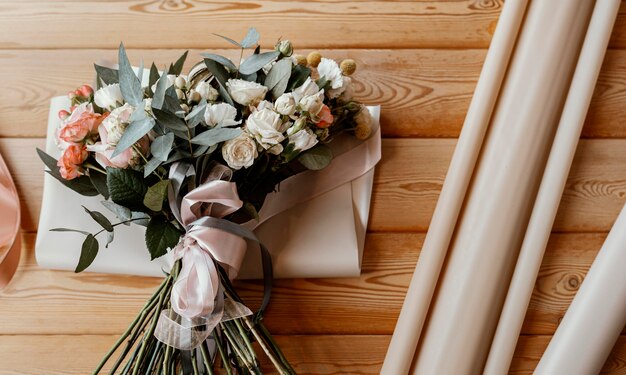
(317, 24)
(423, 93)
(308, 354)
(408, 181)
(368, 304)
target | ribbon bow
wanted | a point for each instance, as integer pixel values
(197, 298)
(10, 241)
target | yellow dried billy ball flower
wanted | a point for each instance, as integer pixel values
(362, 131)
(300, 60)
(314, 58)
(348, 66)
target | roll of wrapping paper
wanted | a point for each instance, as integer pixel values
(597, 314)
(10, 241)
(551, 188)
(471, 290)
(405, 338)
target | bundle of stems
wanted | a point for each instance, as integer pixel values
(142, 353)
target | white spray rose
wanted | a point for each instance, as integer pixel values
(109, 97)
(303, 140)
(313, 103)
(329, 70)
(264, 104)
(116, 123)
(244, 92)
(207, 91)
(285, 104)
(346, 90)
(222, 114)
(240, 152)
(307, 88)
(265, 126)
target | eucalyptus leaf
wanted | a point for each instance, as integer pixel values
(171, 102)
(110, 238)
(99, 181)
(122, 213)
(82, 185)
(316, 158)
(214, 136)
(140, 72)
(107, 75)
(161, 235)
(127, 187)
(162, 146)
(151, 166)
(177, 68)
(134, 132)
(278, 77)
(129, 83)
(140, 218)
(153, 77)
(100, 219)
(196, 116)
(255, 63)
(69, 230)
(169, 120)
(88, 253)
(159, 92)
(177, 155)
(227, 63)
(299, 74)
(221, 75)
(155, 195)
(231, 41)
(251, 38)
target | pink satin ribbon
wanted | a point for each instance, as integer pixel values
(196, 288)
(10, 240)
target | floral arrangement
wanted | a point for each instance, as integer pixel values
(191, 158)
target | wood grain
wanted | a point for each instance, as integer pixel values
(368, 304)
(408, 181)
(423, 93)
(320, 355)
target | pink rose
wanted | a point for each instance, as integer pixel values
(81, 123)
(325, 118)
(70, 163)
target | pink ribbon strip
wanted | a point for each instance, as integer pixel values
(10, 240)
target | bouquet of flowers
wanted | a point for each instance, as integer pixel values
(192, 158)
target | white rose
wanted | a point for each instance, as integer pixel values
(222, 114)
(265, 126)
(264, 104)
(116, 123)
(245, 92)
(307, 88)
(207, 91)
(285, 104)
(313, 103)
(329, 70)
(346, 90)
(303, 140)
(109, 97)
(240, 152)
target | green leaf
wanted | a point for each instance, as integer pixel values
(299, 75)
(129, 83)
(177, 68)
(107, 75)
(88, 253)
(214, 136)
(69, 230)
(99, 181)
(153, 77)
(251, 210)
(227, 63)
(122, 213)
(162, 146)
(110, 238)
(161, 235)
(134, 132)
(127, 187)
(228, 40)
(140, 218)
(155, 195)
(251, 38)
(170, 120)
(140, 73)
(100, 219)
(278, 77)
(221, 75)
(196, 116)
(316, 158)
(254, 63)
(151, 166)
(159, 92)
(82, 185)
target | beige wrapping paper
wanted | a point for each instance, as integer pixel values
(597, 315)
(464, 315)
(406, 335)
(551, 189)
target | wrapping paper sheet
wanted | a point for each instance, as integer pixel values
(301, 244)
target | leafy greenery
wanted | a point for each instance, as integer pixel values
(88, 253)
(316, 158)
(155, 195)
(127, 187)
(130, 85)
(100, 219)
(82, 185)
(161, 235)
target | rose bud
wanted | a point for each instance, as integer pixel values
(71, 95)
(86, 90)
(284, 47)
(63, 114)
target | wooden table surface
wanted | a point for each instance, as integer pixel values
(419, 60)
